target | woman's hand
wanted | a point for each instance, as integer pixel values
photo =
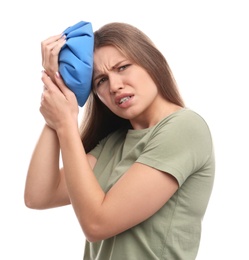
(58, 103)
(50, 49)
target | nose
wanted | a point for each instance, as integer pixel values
(115, 83)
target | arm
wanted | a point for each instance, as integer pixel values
(142, 190)
(45, 183)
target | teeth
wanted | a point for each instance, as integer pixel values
(122, 100)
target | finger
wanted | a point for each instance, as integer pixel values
(48, 83)
(51, 56)
(53, 38)
(47, 51)
(42, 97)
(49, 41)
(52, 45)
(57, 47)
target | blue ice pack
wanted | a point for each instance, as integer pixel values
(76, 60)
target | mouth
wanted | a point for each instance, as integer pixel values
(124, 99)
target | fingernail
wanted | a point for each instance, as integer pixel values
(64, 36)
(57, 74)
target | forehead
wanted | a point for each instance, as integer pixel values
(105, 58)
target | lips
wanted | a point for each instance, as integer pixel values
(121, 99)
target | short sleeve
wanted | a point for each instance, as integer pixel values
(179, 145)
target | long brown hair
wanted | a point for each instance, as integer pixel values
(98, 120)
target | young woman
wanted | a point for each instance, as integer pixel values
(139, 170)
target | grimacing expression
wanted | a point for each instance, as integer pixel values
(124, 87)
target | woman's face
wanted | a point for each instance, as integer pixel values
(124, 87)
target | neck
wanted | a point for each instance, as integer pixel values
(154, 115)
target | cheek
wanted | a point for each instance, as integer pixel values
(103, 97)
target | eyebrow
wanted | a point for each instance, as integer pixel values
(100, 75)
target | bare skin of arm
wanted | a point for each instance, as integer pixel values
(47, 186)
(142, 193)
(45, 183)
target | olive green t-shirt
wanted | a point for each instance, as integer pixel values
(180, 145)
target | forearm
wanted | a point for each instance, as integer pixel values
(43, 173)
(84, 191)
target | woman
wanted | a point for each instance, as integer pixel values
(141, 181)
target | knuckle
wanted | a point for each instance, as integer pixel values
(47, 48)
(54, 52)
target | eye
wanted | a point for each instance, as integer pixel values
(123, 67)
(101, 81)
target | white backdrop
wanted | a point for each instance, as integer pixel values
(206, 44)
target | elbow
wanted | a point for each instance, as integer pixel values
(27, 200)
(30, 198)
(31, 203)
(95, 232)
(92, 239)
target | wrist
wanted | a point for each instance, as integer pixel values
(67, 129)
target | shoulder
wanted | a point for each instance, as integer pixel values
(183, 116)
(182, 122)
(184, 130)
